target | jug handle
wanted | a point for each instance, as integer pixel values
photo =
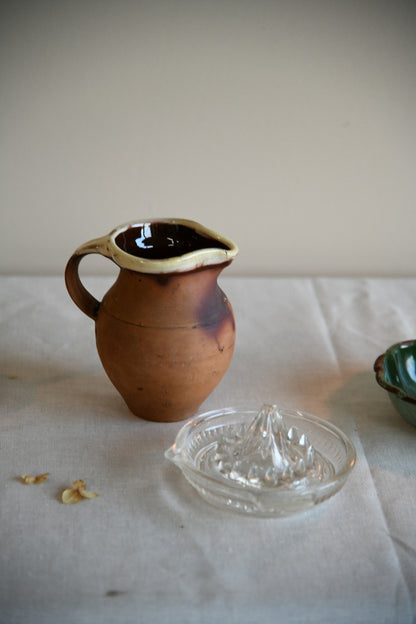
(77, 291)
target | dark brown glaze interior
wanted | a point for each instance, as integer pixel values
(159, 241)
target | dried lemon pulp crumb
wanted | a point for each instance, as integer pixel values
(70, 497)
(76, 493)
(31, 479)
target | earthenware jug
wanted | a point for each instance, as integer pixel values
(165, 330)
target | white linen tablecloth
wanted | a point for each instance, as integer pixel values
(149, 549)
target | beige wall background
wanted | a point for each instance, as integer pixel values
(288, 126)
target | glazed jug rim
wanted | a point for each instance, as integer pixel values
(188, 261)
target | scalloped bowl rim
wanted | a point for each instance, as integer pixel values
(380, 371)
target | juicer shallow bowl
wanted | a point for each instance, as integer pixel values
(396, 372)
(271, 463)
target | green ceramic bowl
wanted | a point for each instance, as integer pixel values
(396, 372)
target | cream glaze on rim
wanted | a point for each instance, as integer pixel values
(108, 247)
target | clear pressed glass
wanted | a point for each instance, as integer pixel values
(274, 462)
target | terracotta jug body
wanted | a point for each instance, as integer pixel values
(165, 331)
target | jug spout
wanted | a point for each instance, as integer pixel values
(168, 246)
